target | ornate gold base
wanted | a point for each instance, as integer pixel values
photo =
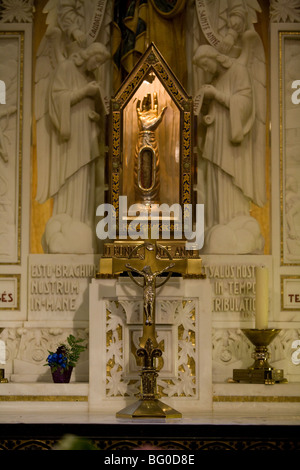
(260, 372)
(259, 376)
(148, 409)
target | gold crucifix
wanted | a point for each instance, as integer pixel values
(145, 260)
(147, 263)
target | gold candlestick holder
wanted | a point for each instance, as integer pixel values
(260, 372)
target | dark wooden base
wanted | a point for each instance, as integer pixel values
(165, 436)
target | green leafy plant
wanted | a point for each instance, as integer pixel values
(66, 355)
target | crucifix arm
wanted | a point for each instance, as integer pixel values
(165, 269)
(127, 265)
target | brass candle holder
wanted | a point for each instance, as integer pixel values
(260, 371)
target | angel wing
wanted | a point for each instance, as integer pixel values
(253, 57)
(51, 10)
(46, 55)
(252, 8)
(51, 51)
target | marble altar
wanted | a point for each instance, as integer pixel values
(48, 261)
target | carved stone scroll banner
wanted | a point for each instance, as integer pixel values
(11, 76)
(289, 56)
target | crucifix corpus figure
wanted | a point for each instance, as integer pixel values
(149, 285)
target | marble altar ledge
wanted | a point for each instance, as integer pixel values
(192, 433)
(230, 418)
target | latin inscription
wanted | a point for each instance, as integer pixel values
(290, 293)
(58, 287)
(233, 287)
(8, 293)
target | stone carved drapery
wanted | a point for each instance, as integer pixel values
(234, 129)
(73, 140)
(68, 131)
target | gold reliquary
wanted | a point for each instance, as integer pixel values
(151, 159)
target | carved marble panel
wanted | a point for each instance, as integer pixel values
(289, 55)
(232, 350)
(27, 348)
(11, 117)
(178, 365)
(183, 327)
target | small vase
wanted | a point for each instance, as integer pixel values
(61, 375)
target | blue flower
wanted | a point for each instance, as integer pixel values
(66, 355)
(57, 359)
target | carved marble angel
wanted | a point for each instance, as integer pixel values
(67, 97)
(234, 142)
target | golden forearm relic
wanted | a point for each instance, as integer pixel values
(146, 167)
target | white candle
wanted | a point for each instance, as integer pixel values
(262, 297)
